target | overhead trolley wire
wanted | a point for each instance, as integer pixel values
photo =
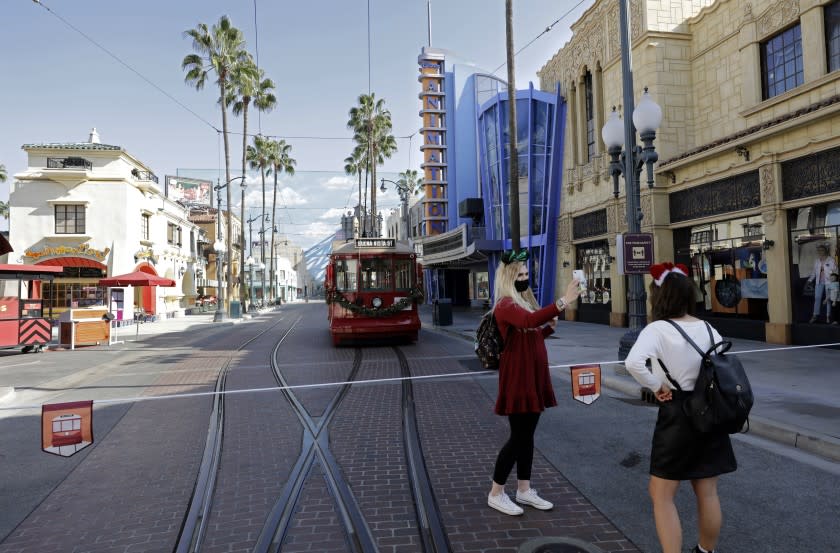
(546, 30)
(127, 66)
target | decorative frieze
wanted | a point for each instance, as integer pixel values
(722, 196)
(777, 16)
(647, 210)
(563, 234)
(811, 175)
(768, 185)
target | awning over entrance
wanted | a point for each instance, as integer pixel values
(73, 262)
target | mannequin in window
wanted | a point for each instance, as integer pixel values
(823, 267)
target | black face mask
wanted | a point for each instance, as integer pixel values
(520, 285)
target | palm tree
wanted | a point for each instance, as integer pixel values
(281, 162)
(410, 181)
(220, 49)
(513, 161)
(248, 86)
(258, 156)
(353, 165)
(371, 122)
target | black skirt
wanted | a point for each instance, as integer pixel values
(679, 452)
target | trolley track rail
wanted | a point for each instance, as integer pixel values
(316, 446)
(429, 518)
(193, 526)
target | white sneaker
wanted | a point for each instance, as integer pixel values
(503, 504)
(531, 498)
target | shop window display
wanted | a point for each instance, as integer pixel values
(814, 230)
(727, 262)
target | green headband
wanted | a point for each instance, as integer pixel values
(510, 256)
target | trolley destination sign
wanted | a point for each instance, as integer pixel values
(376, 243)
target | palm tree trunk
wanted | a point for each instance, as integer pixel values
(365, 217)
(229, 271)
(262, 237)
(513, 162)
(273, 209)
(374, 219)
(360, 198)
(242, 296)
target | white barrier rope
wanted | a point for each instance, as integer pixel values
(373, 381)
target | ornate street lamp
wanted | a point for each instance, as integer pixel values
(249, 263)
(404, 192)
(616, 133)
(219, 248)
(218, 188)
(261, 267)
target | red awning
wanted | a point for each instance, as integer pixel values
(74, 262)
(137, 278)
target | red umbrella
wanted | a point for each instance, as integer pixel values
(137, 278)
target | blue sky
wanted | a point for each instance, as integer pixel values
(57, 84)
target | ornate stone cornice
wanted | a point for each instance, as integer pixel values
(778, 16)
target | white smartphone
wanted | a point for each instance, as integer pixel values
(580, 277)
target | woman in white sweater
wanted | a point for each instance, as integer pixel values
(678, 451)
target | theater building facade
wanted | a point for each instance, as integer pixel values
(747, 187)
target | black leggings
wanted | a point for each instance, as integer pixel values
(518, 450)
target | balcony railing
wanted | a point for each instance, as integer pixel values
(68, 163)
(144, 175)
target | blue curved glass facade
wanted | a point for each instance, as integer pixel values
(540, 123)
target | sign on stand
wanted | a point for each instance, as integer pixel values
(637, 250)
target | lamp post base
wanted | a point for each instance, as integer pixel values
(626, 343)
(219, 316)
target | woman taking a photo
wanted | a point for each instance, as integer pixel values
(524, 382)
(678, 451)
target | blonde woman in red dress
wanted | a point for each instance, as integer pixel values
(525, 388)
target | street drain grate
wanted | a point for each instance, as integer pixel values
(559, 548)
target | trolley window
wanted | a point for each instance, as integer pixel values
(403, 269)
(376, 274)
(345, 275)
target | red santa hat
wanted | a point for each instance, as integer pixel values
(661, 270)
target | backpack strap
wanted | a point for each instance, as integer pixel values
(689, 340)
(668, 375)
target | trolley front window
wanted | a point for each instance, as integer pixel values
(376, 274)
(345, 275)
(403, 269)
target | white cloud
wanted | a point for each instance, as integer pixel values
(339, 183)
(289, 197)
(334, 214)
(319, 229)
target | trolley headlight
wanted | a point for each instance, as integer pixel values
(376, 302)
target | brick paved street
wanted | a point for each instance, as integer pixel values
(131, 492)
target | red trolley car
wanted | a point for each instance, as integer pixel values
(22, 321)
(373, 287)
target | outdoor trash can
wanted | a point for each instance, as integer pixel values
(235, 310)
(442, 313)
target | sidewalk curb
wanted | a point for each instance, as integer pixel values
(785, 434)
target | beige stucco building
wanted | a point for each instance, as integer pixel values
(748, 179)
